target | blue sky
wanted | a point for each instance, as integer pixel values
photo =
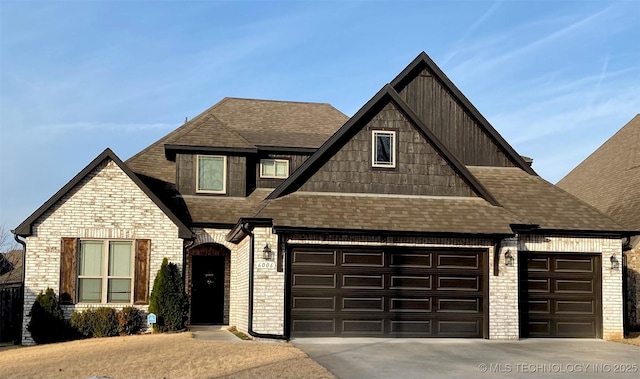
(555, 78)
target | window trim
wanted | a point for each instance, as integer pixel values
(224, 174)
(394, 149)
(275, 171)
(104, 287)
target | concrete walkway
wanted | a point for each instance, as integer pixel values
(214, 333)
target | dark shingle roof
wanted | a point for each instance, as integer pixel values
(11, 267)
(386, 213)
(248, 123)
(224, 210)
(532, 200)
(609, 179)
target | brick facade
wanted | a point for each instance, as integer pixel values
(105, 204)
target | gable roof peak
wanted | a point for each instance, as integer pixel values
(24, 229)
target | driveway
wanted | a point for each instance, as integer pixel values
(350, 358)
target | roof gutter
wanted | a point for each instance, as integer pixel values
(246, 228)
(24, 267)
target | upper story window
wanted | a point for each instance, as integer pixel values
(105, 271)
(211, 174)
(383, 148)
(274, 168)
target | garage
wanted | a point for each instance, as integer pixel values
(395, 292)
(560, 295)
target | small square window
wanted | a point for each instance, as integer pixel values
(274, 168)
(212, 174)
(383, 149)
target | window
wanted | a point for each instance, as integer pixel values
(105, 271)
(383, 149)
(274, 168)
(211, 174)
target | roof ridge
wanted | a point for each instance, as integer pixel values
(178, 130)
(281, 101)
(484, 124)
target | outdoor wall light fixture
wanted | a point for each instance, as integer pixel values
(615, 264)
(508, 258)
(266, 252)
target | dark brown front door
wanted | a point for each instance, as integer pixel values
(388, 292)
(559, 295)
(207, 291)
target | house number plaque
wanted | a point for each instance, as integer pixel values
(266, 265)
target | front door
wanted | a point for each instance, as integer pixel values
(207, 290)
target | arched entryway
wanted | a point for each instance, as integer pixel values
(208, 269)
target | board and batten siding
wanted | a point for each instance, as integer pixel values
(420, 169)
(236, 175)
(106, 204)
(450, 123)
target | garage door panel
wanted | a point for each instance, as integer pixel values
(562, 301)
(459, 261)
(471, 306)
(363, 304)
(411, 328)
(410, 260)
(574, 286)
(322, 258)
(410, 305)
(314, 303)
(314, 281)
(574, 265)
(411, 282)
(363, 281)
(373, 292)
(456, 327)
(459, 283)
(576, 307)
(363, 259)
(366, 327)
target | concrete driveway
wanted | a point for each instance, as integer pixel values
(350, 358)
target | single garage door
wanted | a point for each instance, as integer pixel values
(375, 292)
(560, 295)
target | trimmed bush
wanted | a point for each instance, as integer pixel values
(82, 323)
(168, 299)
(47, 322)
(129, 321)
(105, 322)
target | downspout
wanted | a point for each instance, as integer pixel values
(24, 266)
(247, 228)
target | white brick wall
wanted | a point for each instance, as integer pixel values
(268, 287)
(239, 306)
(105, 204)
(503, 294)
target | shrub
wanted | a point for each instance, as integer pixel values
(129, 321)
(82, 322)
(47, 321)
(168, 299)
(105, 322)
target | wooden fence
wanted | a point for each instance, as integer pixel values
(11, 313)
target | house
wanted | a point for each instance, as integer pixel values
(11, 296)
(413, 218)
(609, 180)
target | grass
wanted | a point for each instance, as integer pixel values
(159, 356)
(239, 334)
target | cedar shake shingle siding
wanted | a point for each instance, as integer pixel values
(420, 169)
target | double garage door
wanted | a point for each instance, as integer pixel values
(560, 295)
(379, 292)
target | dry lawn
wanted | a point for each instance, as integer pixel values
(159, 356)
